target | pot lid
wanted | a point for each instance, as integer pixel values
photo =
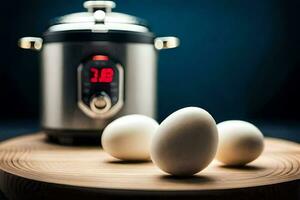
(99, 18)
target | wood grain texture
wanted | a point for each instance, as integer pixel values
(31, 168)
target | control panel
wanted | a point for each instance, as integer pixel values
(100, 86)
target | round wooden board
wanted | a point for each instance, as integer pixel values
(32, 168)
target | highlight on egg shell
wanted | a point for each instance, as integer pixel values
(240, 143)
(185, 142)
(128, 138)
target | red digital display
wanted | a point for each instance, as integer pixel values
(104, 75)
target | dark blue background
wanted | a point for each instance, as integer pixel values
(238, 59)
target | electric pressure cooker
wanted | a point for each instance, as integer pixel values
(95, 67)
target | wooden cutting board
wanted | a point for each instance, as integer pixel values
(32, 168)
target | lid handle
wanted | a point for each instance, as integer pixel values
(93, 6)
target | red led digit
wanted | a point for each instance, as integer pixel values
(107, 75)
(104, 75)
(95, 75)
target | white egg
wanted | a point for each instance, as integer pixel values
(239, 143)
(129, 137)
(185, 142)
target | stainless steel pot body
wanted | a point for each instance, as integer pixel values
(75, 49)
(59, 76)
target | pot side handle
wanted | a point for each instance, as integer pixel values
(33, 43)
(161, 43)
